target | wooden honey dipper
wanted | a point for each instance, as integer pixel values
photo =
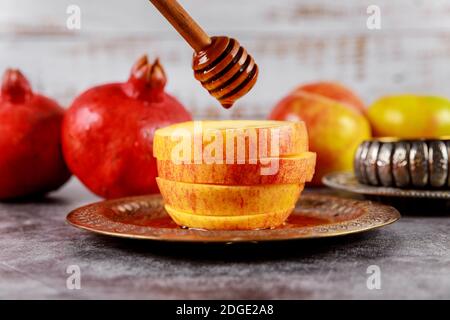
(223, 67)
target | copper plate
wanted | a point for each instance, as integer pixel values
(316, 216)
(346, 181)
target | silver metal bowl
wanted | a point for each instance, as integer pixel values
(421, 163)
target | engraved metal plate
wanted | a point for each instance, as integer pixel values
(316, 216)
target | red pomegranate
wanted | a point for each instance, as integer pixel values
(31, 161)
(108, 132)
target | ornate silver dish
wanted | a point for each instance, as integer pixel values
(346, 181)
(418, 164)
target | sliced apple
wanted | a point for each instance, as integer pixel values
(245, 140)
(287, 170)
(217, 200)
(244, 222)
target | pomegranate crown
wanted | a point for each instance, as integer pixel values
(147, 78)
(15, 86)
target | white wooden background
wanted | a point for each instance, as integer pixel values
(293, 41)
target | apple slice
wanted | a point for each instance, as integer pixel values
(244, 222)
(216, 200)
(287, 170)
(245, 140)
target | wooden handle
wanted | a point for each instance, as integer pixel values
(183, 23)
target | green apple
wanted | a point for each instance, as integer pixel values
(410, 116)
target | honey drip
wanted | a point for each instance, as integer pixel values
(225, 69)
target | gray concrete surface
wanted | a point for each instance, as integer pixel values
(37, 246)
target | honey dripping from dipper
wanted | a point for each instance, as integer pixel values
(225, 69)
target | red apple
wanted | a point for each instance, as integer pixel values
(335, 129)
(334, 91)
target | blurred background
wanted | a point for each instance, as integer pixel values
(293, 41)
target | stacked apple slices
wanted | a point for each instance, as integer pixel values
(232, 175)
